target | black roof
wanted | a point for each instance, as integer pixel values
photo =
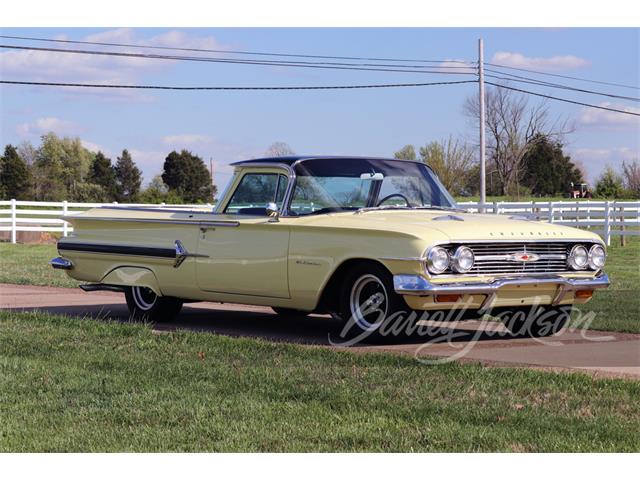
(290, 160)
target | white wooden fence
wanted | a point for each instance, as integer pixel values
(604, 217)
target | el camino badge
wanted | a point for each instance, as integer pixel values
(523, 257)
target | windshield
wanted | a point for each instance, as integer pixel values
(337, 184)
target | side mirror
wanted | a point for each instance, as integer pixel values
(272, 211)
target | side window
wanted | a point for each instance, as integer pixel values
(255, 191)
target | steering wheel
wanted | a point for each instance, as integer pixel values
(406, 200)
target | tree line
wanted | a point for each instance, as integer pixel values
(63, 169)
(525, 155)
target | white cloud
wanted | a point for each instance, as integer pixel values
(596, 159)
(44, 125)
(594, 117)
(94, 147)
(556, 63)
(454, 65)
(98, 69)
(186, 140)
(150, 162)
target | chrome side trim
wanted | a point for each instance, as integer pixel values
(404, 259)
(420, 286)
(195, 223)
(182, 254)
(156, 209)
(60, 263)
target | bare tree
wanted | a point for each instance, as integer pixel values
(631, 174)
(408, 152)
(452, 160)
(512, 128)
(279, 149)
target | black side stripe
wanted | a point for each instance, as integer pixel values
(118, 249)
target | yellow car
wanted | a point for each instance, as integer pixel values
(365, 239)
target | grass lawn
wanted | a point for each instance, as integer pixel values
(616, 309)
(28, 265)
(70, 384)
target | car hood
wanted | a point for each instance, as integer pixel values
(450, 225)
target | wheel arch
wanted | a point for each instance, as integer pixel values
(329, 298)
(130, 276)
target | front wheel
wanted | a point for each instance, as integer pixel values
(369, 306)
(534, 321)
(145, 305)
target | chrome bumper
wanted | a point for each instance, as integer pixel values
(60, 263)
(418, 285)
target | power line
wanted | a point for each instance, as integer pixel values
(239, 52)
(236, 60)
(163, 87)
(305, 65)
(533, 81)
(465, 64)
(562, 76)
(564, 99)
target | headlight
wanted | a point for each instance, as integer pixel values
(597, 256)
(578, 258)
(437, 260)
(462, 260)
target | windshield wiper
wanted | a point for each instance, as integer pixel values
(438, 207)
(383, 207)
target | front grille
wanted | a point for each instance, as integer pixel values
(494, 258)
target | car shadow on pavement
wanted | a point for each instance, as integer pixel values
(262, 323)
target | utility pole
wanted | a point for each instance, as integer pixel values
(483, 166)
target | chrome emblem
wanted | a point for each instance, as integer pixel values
(523, 257)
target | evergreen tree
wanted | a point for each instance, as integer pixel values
(15, 177)
(128, 178)
(609, 184)
(103, 174)
(187, 176)
(546, 170)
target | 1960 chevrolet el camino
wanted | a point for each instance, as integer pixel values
(360, 238)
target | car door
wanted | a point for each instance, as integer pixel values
(248, 254)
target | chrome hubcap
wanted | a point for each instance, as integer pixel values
(368, 302)
(144, 297)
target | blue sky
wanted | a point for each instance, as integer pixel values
(231, 126)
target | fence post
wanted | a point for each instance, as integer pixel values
(623, 240)
(65, 224)
(550, 212)
(13, 221)
(495, 208)
(607, 223)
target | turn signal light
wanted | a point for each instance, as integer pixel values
(584, 294)
(448, 298)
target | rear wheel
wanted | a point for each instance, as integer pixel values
(145, 305)
(369, 306)
(534, 321)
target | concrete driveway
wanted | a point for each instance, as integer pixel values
(607, 354)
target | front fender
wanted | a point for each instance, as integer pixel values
(133, 277)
